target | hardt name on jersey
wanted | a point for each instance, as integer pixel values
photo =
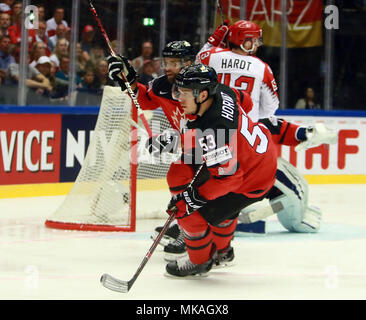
(247, 73)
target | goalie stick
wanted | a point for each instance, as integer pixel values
(127, 84)
(122, 286)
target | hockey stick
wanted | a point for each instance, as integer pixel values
(124, 286)
(127, 84)
(221, 11)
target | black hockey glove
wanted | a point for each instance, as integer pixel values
(118, 64)
(167, 141)
(186, 202)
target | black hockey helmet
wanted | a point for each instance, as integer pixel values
(198, 77)
(179, 49)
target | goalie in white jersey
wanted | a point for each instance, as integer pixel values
(236, 65)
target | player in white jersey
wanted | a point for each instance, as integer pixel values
(231, 52)
(238, 67)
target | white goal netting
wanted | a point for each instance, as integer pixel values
(119, 180)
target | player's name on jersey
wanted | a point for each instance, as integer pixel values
(235, 64)
(227, 107)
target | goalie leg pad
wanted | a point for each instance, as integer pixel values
(291, 206)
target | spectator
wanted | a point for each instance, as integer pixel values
(5, 58)
(148, 72)
(41, 13)
(16, 9)
(60, 34)
(41, 36)
(5, 22)
(58, 17)
(146, 54)
(62, 78)
(96, 55)
(82, 59)
(39, 49)
(87, 38)
(157, 67)
(61, 49)
(89, 92)
(89, 81)
(102, 74)
(15, 31)
(6, 6)
(68, 34)
(309, 101)
(34, 79)
(63, 72)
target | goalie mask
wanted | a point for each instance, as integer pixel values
(243, 32)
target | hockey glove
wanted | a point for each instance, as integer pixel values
(118, 64)
(164, 142)
(219, 36)
(316, 136)
(185, 203)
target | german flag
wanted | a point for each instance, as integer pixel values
(304, 20)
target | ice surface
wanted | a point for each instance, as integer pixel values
(41, 263)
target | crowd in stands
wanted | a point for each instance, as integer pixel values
(47, 77)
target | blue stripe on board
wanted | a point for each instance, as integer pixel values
(95, 109)
(321, 113)
(50, 109)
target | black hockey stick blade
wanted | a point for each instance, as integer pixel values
(115, 284)
(124, 286)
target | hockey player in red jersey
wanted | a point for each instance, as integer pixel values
(158, 93)
(231, 52)
(240, 158)
(176, 55)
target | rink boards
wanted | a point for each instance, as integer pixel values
(42, 149)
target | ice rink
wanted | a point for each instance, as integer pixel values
(41, 263)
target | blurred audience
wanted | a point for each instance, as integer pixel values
(87, 39)
(16, 9)
(89, 81)
(5, 6)
(15, 31)
(102, 74)
(82, 60)
(309, 101)
(5, 22)
(41, 13)
(96, 55)
(58, 17)
(60, 34)
(148, 72)
(61, 49)
(38, 50)
(35, 80)
(5, 57)
(146, 54)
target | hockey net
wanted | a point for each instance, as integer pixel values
(119, 180)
